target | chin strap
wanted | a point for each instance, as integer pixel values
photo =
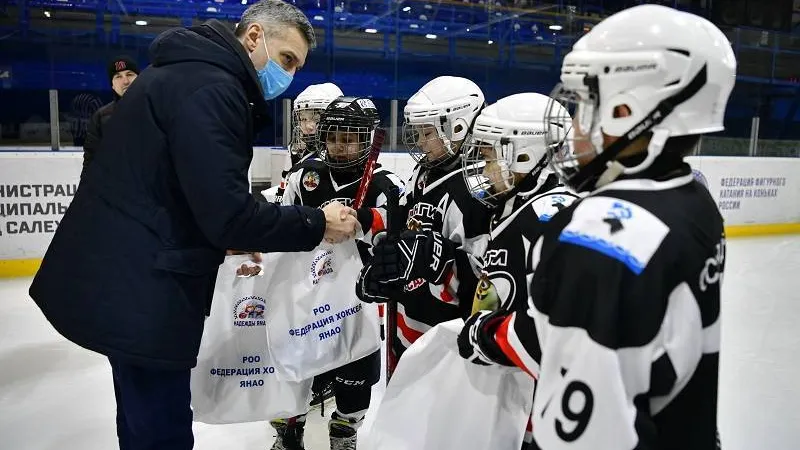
(606, 160)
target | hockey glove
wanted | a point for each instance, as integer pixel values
(426, 255)
(370, 290)
(476, 341)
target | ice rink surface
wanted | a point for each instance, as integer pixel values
(55, 395)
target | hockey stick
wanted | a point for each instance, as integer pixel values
(392, 202)
(394, 227)
(369, 169)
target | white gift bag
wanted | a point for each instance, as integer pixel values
(437, 400)
(234, 380)
(315, 322)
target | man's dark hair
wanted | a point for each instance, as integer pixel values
(274, 16)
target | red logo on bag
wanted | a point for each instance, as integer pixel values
(249, 311)
(321, 265)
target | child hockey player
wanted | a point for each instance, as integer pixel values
(446, 225)
(345, 132)
(306, 110)
(505, 167)
(622, 326)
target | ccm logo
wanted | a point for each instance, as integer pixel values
(350, 382)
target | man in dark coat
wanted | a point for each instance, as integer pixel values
(122, 71)
(131, 270)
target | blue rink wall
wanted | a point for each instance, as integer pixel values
(757, 196)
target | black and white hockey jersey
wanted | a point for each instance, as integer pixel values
(622, 327)
(314, 184)
(437, 199)
(293, 163)
(515, 226)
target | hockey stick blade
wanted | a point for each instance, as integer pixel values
(369, 169)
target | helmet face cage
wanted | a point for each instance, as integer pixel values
(344, 146)
(304, 130)
(428, 144)
(487, 171)
(572, 136)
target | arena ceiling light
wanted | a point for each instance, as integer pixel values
(319, 18)
(47, 14)
(430, 36)
(407, 9)
(244, 2)
(211, 9)
(370, 30)
(556, 27)
(490, 42)
(141, 23)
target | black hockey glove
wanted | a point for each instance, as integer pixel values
(476, 341)
(427, 255)
(370, 289)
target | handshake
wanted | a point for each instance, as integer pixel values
(341, 223)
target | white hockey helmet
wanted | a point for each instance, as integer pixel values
(438, 118)
(313, 99)
(647, 69)
(508, 138)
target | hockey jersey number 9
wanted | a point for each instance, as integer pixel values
(625, 302)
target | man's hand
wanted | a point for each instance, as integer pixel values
(340, 223)
(246, 270)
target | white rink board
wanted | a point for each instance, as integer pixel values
(753, 190)
(748, 190)
(35, 191)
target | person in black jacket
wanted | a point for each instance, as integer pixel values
(131, 270)
(122, 71)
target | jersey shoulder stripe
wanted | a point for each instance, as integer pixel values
(543, 206)
(546, 206)
(617, 228)
(449, 178)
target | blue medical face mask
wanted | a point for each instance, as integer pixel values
(274, 79)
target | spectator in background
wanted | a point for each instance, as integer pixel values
(130, 272)
(122, 71)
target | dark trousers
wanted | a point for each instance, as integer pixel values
(153, 408)
(352, 383)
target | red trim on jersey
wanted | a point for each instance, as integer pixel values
(501, 337)
(377, 222)
(446, 295)
(409, 333)
(380, 310)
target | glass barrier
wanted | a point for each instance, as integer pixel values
(27, 123)
(382, 49)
